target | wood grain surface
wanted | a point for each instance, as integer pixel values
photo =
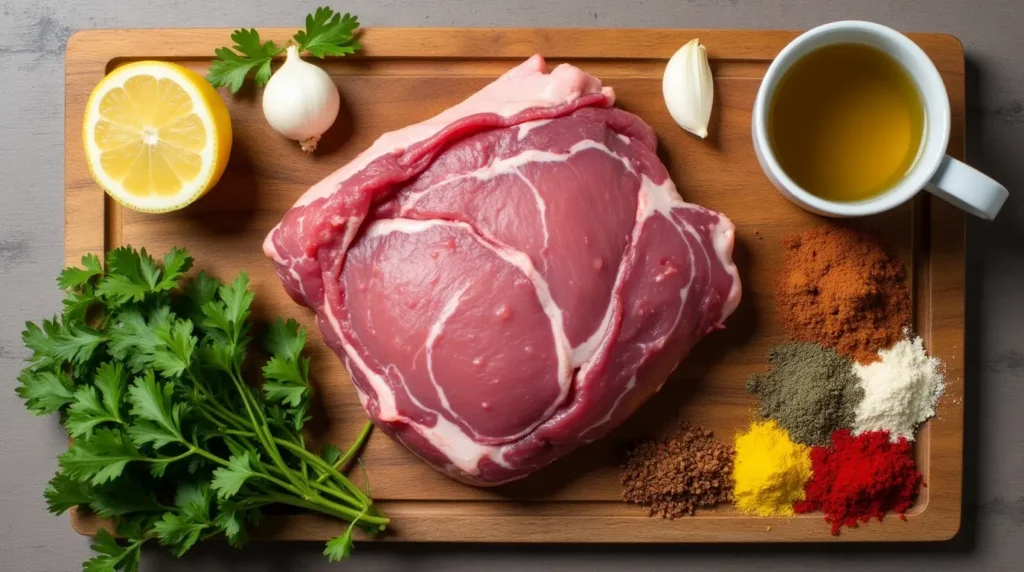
(406, 75)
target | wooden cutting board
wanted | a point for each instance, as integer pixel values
(406, 75)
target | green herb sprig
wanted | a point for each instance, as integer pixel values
(171, 440)
(327, 33)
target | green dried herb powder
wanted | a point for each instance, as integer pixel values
(809, 390)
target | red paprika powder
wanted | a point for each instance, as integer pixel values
(859, 478)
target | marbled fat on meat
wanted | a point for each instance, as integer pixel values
(510, 279)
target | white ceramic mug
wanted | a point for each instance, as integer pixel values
(942, 175)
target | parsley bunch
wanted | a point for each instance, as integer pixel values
(171, 441)
(327, 33)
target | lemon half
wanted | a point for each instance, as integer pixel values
(157, 135)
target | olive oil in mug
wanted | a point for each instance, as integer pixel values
(846, 122)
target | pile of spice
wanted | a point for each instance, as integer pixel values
(675, 475)
(839, 405)
(770, 471)
(900, 391)
(839, 288)
(809, 390)
(860, 478)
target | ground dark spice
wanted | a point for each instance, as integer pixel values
(810, 391)
(840, 288)
(675, 475)
(860, 478)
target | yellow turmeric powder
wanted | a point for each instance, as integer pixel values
(770, 470)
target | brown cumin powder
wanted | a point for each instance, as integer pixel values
(675, 475)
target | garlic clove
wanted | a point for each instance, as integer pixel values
(688, 88)
(301, 101)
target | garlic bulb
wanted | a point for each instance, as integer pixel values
(689, 89)
(300, 101)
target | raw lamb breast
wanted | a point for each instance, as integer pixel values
(510, 279)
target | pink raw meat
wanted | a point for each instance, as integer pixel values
(510, 279)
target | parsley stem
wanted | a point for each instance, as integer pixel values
(258, 427)
(212, 415)
(284, 485)
(226, 414)
(303, 464)
(205, 409)
(204, 453)
(355, 448)
(170, 460)
(354, 515)
(135, 547)
(273, 469)
(323, 465)
(325, 506)
(337, 494)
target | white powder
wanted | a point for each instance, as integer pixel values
(900, 391)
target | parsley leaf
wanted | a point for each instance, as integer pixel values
(76, 304)
(125, 496)
(227, 481)
(112, 556)
(159, 421)
(63, 493)
(285, 339)
(292, 419)
(286, 374)
(328, 34)
(164, 342)
(44, 391)
(230, 68)
(136, 526)
(287, 381)
(231, 522)
(174, 355)
(221, 358)
(40, 341)
(216, 323)
(57, 343)
(330, 453)
(130, 276)
(224, 325)
(89, 410)
(133, 341)
(232, 518)
(111, 380)
(182, 529)
(86, 412)
(73, 277)
(176, 263)
(200, 291)
(225, 318)
(340, 547)
(76, 343)
(237, 299)
(99, 458)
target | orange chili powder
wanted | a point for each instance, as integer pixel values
(841, 289)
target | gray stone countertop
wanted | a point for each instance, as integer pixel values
(32, 40)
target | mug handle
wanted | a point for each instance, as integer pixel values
(968, 188)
